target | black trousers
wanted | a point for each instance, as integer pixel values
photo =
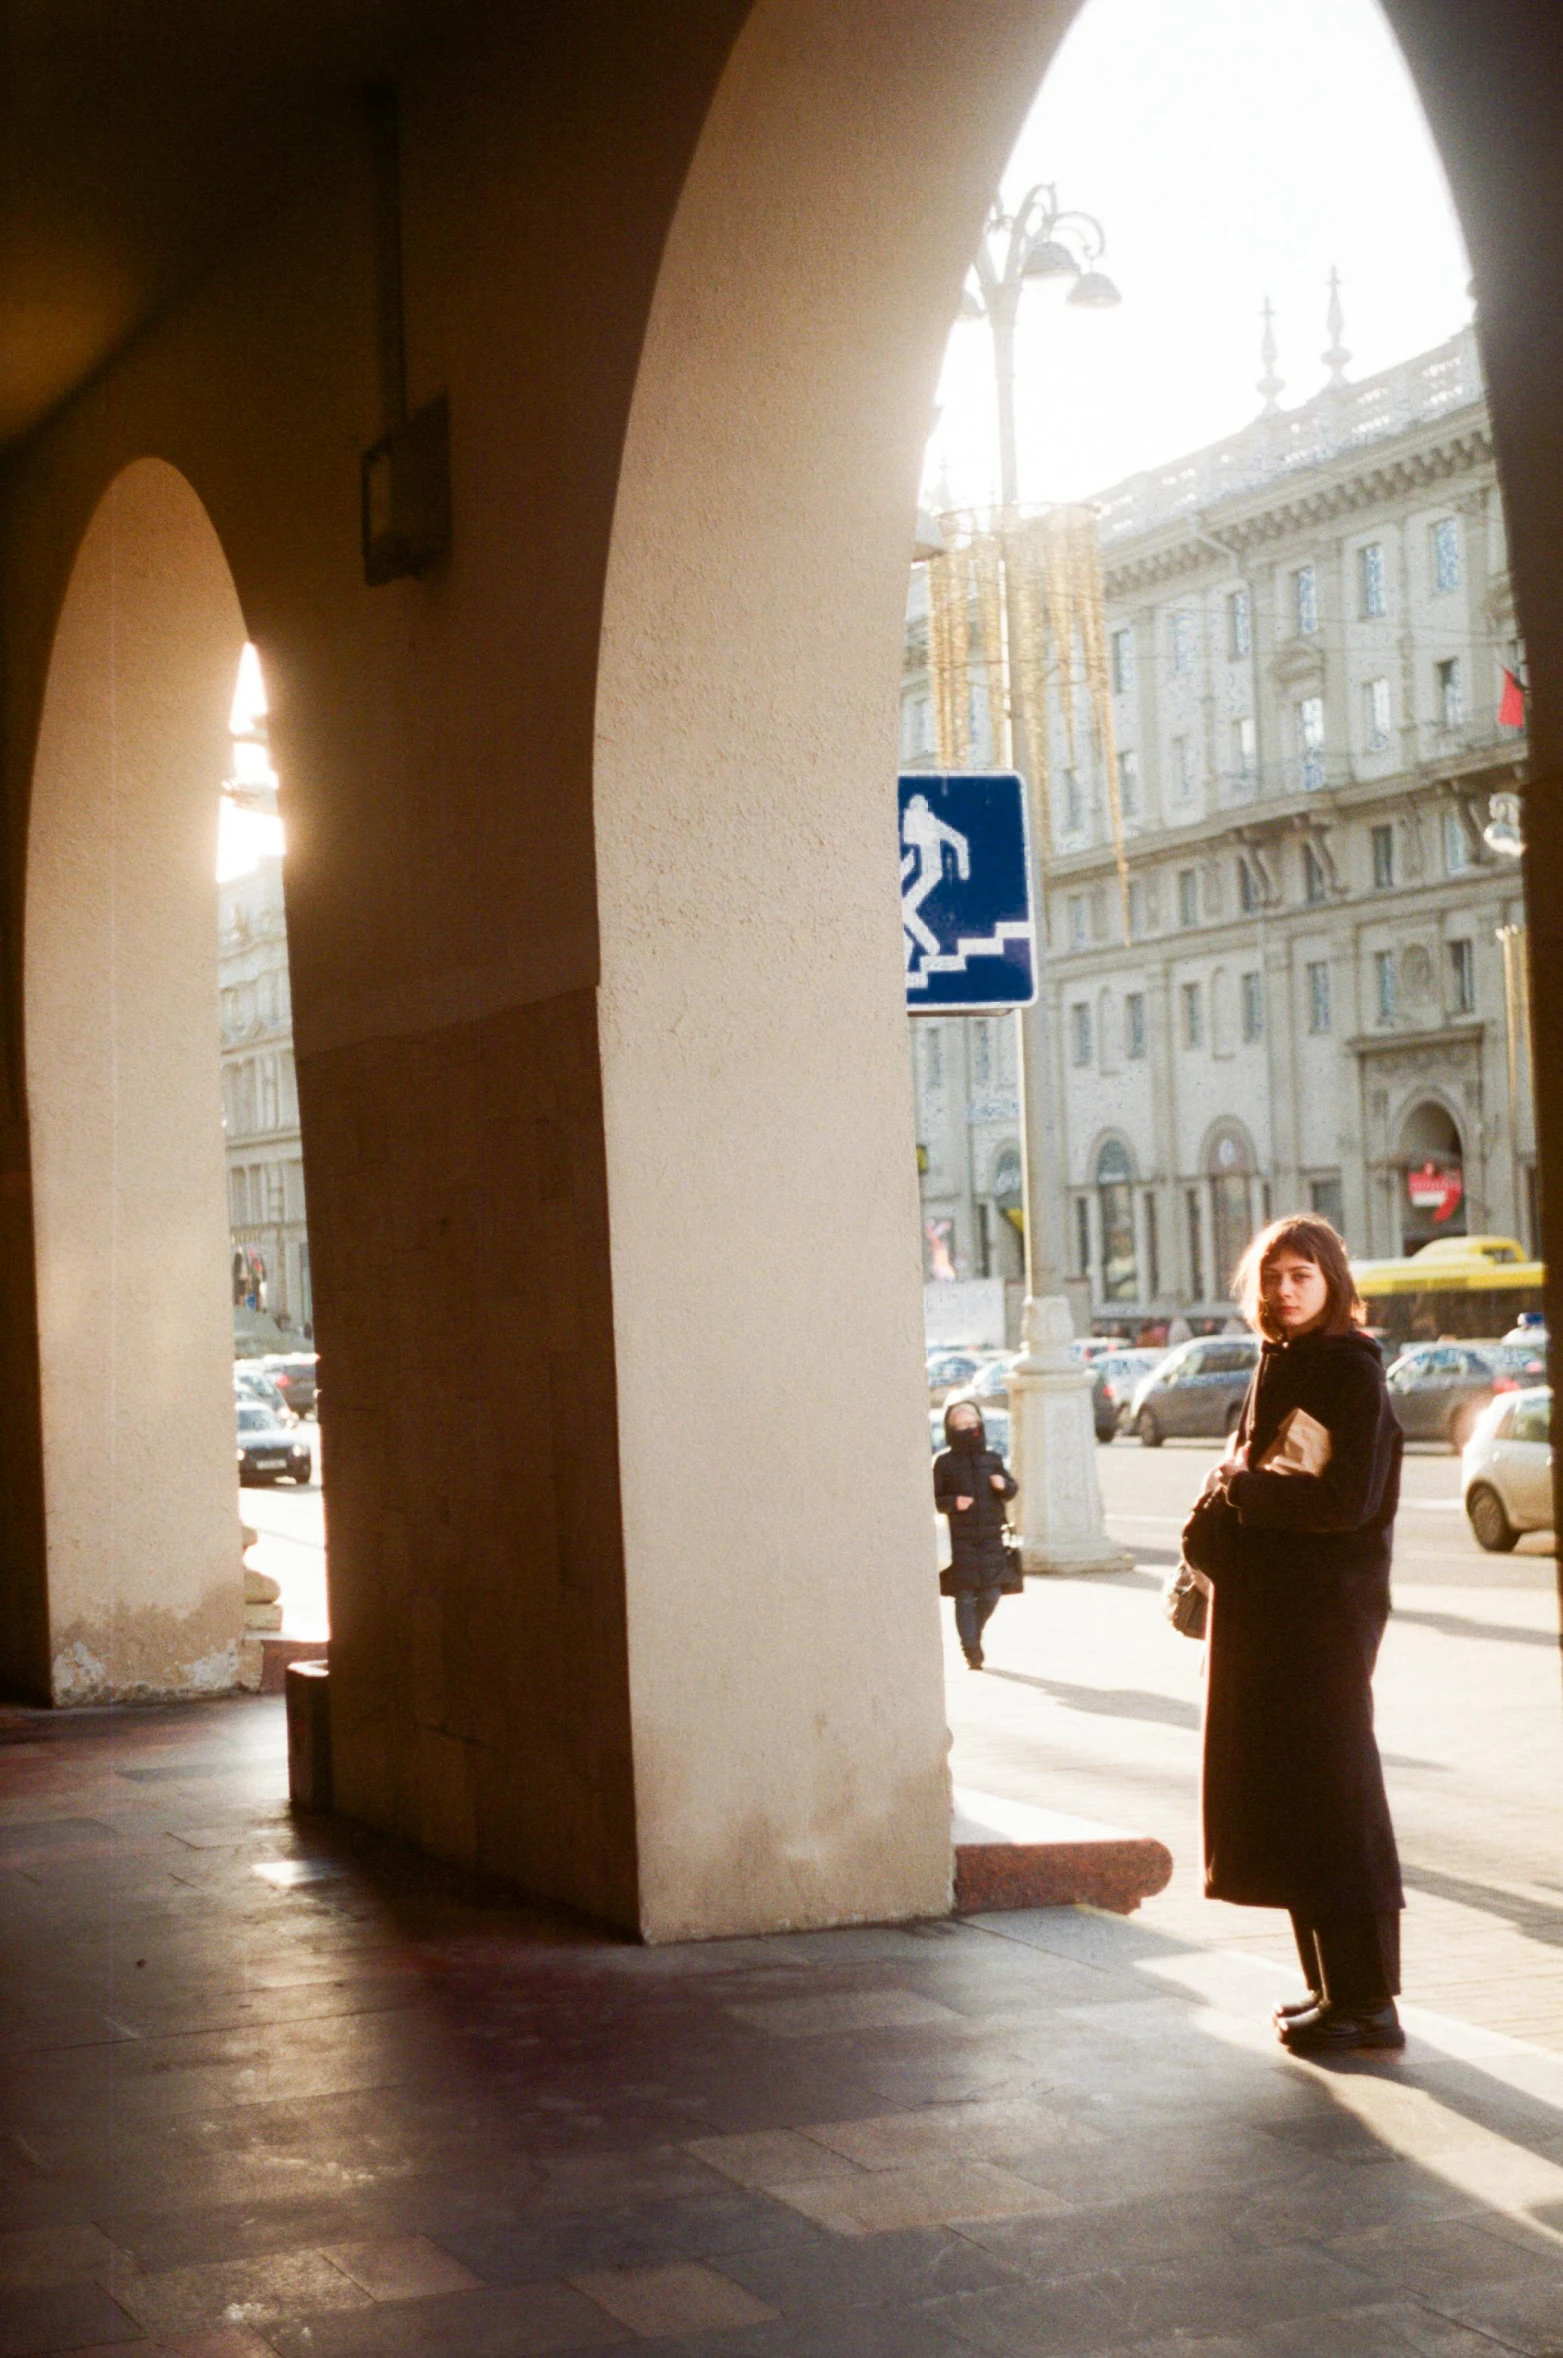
(974, 1609)
(1351, 1960)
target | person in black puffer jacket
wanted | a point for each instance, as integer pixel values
(1295, 1530)
(971, 1485)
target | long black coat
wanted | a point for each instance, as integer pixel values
(964, 1470)
(1295, 1814)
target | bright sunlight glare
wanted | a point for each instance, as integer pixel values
(244, 839)
(246, 835)
(1232, 149)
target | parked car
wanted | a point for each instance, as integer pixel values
(991, 1383)
(952, 1371)
(1520, 1366)
(1506, 1469)
(1438, 1390)
(269, 1450)
(1198, 1388)
(293, 1373)
(251, 1382)
(1115, 1377)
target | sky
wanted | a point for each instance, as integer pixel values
(1231, 149)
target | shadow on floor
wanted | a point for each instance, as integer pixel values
(1107, 1702)
(1458, 1625)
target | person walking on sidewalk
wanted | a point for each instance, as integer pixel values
(1294, 1530)
(971, 1486)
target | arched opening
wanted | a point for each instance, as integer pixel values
(145, 1586)
(1230, 1176)
(1430, 1172)
(719, 674)
(1120, 1261)
(1005, 1196)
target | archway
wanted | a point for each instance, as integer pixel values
(1120, 1262)
(1430, 1169)
(144, 1579)
(746, 710)
(1230, 1168)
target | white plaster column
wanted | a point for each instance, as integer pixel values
(785, 1663)
(125, 1104)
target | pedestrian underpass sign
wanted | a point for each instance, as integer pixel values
(966, 892)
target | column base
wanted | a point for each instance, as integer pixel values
(1054, 1446)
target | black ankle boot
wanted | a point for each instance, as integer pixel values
(1338, 2030)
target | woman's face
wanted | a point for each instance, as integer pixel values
(1295, 1292)
(963, 1420)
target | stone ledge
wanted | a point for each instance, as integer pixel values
(1009, 1855)
(277, 1652)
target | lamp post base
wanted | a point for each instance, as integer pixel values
(1053, 1451)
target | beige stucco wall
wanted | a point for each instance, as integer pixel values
(145, 1589)
(785, 1675)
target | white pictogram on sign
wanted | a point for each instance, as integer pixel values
(926, 835)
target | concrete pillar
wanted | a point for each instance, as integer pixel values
(782, 1616)
(145, 1585)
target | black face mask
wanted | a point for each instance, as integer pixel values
(968, 1437)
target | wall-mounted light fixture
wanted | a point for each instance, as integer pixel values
(405, 475)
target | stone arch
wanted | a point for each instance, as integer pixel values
(144, 1586)
(1112, 1156)
(1430, 1169)
(1429, 1124)
(748, 695)
(1228, 1146)
(1114, 1171)
(1006, 1193)
(1231, 1168)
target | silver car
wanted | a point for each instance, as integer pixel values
(1199, 1388)
(1506, 1469)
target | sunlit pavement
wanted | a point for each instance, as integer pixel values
(291, 1546)
(1091, 1704)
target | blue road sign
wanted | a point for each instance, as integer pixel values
(966, 893)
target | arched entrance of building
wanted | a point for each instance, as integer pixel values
(1236, 1202)
(1007, 1229)
(145, 1591)
(1119, 1262)
(1430, 1176)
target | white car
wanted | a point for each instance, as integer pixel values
(1506, 1469)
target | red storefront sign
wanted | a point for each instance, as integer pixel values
(1435, 1189)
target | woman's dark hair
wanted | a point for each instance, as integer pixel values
(1311, 1238)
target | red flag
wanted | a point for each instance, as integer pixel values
(1511, 704)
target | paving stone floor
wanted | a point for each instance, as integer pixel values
(276, 2087)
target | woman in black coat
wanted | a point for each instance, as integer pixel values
(1295, 1531)
(971, 1485)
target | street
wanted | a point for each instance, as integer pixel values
(291, 1546)
(1090, 1703)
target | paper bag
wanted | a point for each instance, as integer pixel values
(1302, 1446)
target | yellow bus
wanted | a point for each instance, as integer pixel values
(1474, 1286)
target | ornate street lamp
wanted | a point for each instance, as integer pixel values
(1054, 1435)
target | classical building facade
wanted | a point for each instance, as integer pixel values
(1304, 981)
(266, 1216)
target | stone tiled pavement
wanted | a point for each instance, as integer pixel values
(274, 2088)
